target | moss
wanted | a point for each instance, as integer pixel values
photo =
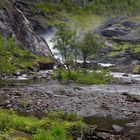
(25, 103)
(136, 69)
(113, 54)
(2, 2)
(118, 49)
(137, 49)
(135, 18)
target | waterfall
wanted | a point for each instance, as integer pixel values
(48, 35)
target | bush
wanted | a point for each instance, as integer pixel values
(84, 77)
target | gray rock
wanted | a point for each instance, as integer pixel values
(7, 102)
(131, 24)
(113, 31)
(15, 24)
(45, 66)
(117, 128)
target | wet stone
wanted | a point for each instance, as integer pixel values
(117, 128)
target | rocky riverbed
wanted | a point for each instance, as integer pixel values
(114, 101)
(117, 101)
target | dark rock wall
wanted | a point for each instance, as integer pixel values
(14, 23)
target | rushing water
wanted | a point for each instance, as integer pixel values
(48, 36)
(135, 77)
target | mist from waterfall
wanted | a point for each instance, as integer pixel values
(48, 35)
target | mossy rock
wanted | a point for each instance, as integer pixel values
(136, 69)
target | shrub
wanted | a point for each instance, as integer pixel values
(84, 77)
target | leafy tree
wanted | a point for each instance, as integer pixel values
(88, 46)
(64, 41)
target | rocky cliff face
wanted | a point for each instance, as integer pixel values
(13, 23)
(121, 37)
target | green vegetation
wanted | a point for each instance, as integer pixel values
(2, 2)
(135, 18)
(13, 58)
(88, 46)
(83, 22)
(18, 127)
(100, 7)
(86, 15)
(84, 77)
(76, 16)
(114, 7)
(64, 41)
(136, 48)
(121, 48)
(136, 69)
(70, 47)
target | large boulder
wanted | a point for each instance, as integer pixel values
(132, 37)
(45, 66)
(131, 24)
(113, 31)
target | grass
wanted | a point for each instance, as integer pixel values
(13, 125)
(84, 77)
(13, 57)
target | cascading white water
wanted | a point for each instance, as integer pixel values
(55, 52)
(48, 36)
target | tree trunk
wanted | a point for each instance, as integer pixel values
(84, 63)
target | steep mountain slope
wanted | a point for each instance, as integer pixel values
(13, 23)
